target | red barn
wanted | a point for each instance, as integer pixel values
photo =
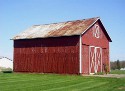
(72, 47)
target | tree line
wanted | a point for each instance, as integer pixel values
(117, 65)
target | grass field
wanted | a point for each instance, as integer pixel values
(117, 72)
(49, 82)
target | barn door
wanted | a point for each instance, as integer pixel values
(95, 59)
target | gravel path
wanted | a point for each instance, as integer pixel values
(109, 75)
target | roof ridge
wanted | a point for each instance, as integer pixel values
(67, 21)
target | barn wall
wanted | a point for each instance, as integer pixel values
(89, 40)
(105, 57)
(48, 55)
(85, 59)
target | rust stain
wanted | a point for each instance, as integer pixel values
(72, 28)
(68, 28)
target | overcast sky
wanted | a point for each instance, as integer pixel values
(18, 15)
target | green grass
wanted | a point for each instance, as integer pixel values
(117, 72)
(51, 82)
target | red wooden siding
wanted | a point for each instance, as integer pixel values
(105, 57)
(85, 59)
(47, 55)
(89, 40)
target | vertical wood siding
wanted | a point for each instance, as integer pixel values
(47, 55)
(85, 59)
(89, 40)
(105, 57)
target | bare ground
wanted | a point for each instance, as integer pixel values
(109, 75)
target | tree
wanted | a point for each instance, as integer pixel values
(122, 64)
(118, 65)
(115, 64)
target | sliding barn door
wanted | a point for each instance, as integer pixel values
(95, 59)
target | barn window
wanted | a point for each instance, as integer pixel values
(96, 31)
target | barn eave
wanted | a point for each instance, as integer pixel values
(47, 37)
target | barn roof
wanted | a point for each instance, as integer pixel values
(68, 28)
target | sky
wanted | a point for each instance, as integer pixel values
(18, 15)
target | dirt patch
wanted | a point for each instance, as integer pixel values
(121, 88)
(109, 75)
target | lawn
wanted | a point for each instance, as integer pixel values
(51, 82)
(117, 72)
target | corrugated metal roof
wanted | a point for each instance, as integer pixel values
(68, 28)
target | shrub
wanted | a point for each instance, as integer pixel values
(6, 70)
(106, 69)
(99, 73)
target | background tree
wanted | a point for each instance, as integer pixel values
(112, 65)
(118, 65)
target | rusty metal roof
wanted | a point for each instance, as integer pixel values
(68, 28)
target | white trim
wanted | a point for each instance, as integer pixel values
(95, 60)
(109, 59)
(96, 31)
(105, 30)
(89, 60)
(99, 57)
(80, 55)
(101, 60)
(95, 67)
(91, 25)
